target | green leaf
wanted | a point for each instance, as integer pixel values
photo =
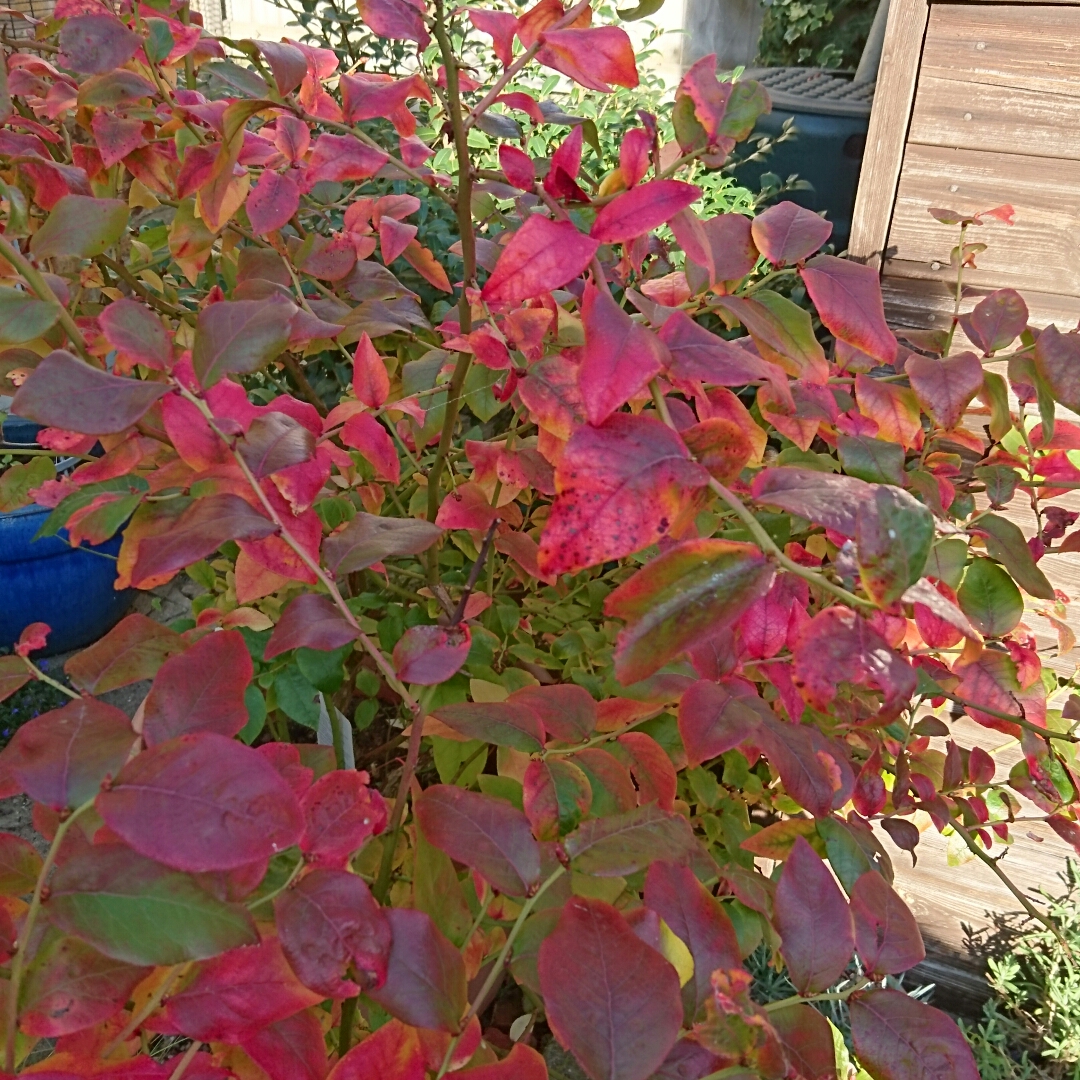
(947, 560)
(748, 101)
(683, 597)
(296, 697)
(324, 670)
(848, 861)
(643, 10)
(990, 598)
(80, 225)
(159, 42)
(20, 478)
(437, 890)
(255, 704)
(995, 393)
(626, 843)
(872, 460)
(450, 755)
(136, 910)
(1005, 542)
(84, 496)
(1000, 481)
(893, 534)
(23, 318)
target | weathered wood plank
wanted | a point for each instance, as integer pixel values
(1032, 48)
(1040, 252)
(978, 116)
(888, 128)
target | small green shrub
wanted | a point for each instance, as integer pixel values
(815, 33)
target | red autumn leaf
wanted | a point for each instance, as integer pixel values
(642, 209)
(522, 1063)
(814, 770)
(330, 923)
(788, 233)
(940, 621)
(290, 1049)
(69, 986)
(517, 167)
(688, 594)
(467, 507)
(567, 712)
(425, 979)
(32, 638)
(708, 97)
(1056, 361)
(500, 26)
(483, 832)
(991, 680)
(598, 980)
(115, 136)
(996, 320)
(236, 995)
(886, 933)
(343, 157)
(556, 795)
(61, 757)
(594, 57)
(715, 718)
(542, 255)
(394, 1052)
(371, 383)
(723, 245)
(95, 44)
(945, 387)
(200, 530)
(134, 649)
(813, 920)
(63, 392)
(619, 358)
(824, 498)
(310, 621)
(136, 332)
(287, 64)
(394, 238)
(899, 1038)
(202, 802)
(364, 433)
(200, 690)
(839, 646)
(695, 354)
(551, 394)
(635, 155)
(807, 1040)
(429, 655)
(698, 919)
(561, 179)
(620, 487)
(340, 813)
(274, 200)
(504, 723)
(395, 19)
(847, 296)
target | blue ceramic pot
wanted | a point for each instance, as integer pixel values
(49, 581)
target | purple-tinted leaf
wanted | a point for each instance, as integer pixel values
(899, 1038)
(566, 711)
(429, 655)
(274, 442)
(1057, 360)
(698, 919)
(199, 532)
(273, 202)
(814, 770)
(787, 233)
(134, 649)
(63, 392)
(425, 979)
(134, 330)
(202, 802)
(287, 64)
(722, 245)
(813, 920)
(824, 498)
(715, 718)
(623, 844)
(483, 832)
(886, 933)
(311, 621)
(807, 1040)
(368, 539)
(61, 757)
(945, 387)
(237, 337)
(782, 331)
(503, 723)
(328, 923)
(200, 690)
(95, 44)
(685, 596)
(697, 354)
(996, 320)
(599, 981)
(847, 296)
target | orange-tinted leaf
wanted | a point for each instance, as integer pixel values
(542, 255)
(594, 57)
(132, 650)
(522, 1063)
(893, 408)
(20, 865)
(620, 487)
(501, 27)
